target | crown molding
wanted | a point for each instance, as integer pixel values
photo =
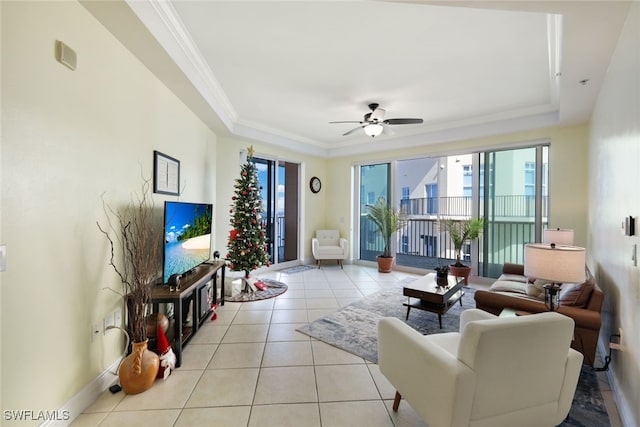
(162, 20)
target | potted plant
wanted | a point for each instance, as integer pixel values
(135, 240)
(442, 275)
(388, 220)
(442, 270)
(461, 231)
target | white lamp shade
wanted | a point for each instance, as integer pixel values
(562, 264)
(558, 236)
(373, 129)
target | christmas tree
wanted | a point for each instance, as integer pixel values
(247, 238)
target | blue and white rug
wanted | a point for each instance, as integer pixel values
(354, 328)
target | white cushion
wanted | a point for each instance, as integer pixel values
(330, 250)
(536, 289)
(513, 278)
(329, 242)
(509, 286)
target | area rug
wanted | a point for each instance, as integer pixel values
(297, 269)
(273, 289)
(354, 328)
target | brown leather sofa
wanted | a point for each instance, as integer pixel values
(585, 313)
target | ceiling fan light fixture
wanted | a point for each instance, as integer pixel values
(373, 129)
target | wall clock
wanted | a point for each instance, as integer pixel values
(315, 185)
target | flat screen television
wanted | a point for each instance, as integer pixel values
(187, 237)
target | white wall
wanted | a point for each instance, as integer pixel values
(67, 138)
(613, 194)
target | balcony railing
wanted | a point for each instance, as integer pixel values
(423, 243)
(503, 206)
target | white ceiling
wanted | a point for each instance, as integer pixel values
(279, 72)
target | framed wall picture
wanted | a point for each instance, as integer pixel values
(166, 174)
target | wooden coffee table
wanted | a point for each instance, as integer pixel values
(427, 295)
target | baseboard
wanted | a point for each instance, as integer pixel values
(624, 409)
(85, 397)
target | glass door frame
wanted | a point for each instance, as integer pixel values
(274, 164)
(356, 208)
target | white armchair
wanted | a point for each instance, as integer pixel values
(329, 245)
(514, 371)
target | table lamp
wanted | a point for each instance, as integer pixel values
(558, 236)
(556, 263)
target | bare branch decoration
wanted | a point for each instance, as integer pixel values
(135, 236)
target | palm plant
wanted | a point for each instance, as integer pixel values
(461, 231)
(388, 220)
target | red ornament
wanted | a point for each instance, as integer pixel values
(233, 234)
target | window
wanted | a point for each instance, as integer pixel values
(405, 193)
(431, 191)
(431, 246)
(529, 178)
(467, 180)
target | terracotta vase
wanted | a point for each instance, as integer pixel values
(460, 272)
(139, 369)
(385, 264)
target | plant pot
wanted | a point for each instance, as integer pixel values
(442, 281)
(443, 274)
(385, 264)
(139, 369)
(460, 272)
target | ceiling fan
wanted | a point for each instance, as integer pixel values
(374, 122)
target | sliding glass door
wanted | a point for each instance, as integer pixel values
(509, 188)
(374, 184)
(514, 202)
(279, 189)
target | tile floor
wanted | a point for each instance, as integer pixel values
(250, 367)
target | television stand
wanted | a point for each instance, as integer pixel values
(193, 289)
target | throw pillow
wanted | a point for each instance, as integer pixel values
(512, 278)
(575, 294)
(508, 286)
(535, 288)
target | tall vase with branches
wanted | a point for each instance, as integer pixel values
(135, 241)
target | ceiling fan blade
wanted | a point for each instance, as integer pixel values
(403, 121)
(353, 130)
(349, 121)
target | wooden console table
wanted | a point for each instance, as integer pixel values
(193, 289)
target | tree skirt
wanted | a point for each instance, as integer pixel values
(354, 328)
(273, 289)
